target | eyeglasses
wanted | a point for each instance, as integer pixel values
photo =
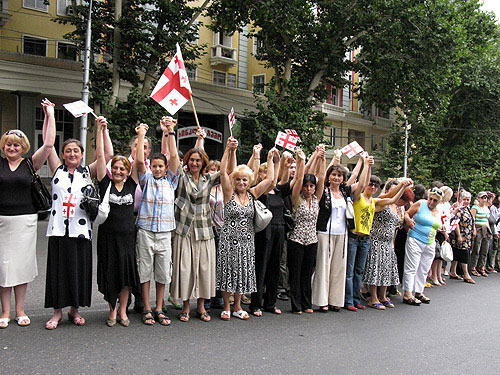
(437, 191)
(483, 197)
(373, 184)
(19, 133)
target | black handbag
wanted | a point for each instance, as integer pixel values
(289, 221)
(90, 201)
(42, 199)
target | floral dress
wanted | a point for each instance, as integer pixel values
(466, 225)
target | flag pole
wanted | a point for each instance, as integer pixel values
(194, 111)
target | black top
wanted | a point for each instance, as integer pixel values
(121, 217)
(325, 206)
(15, 189)
(274, 202)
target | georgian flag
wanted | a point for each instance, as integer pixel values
(287, 141)
(173, 89)
(352, 149)
(293, 132)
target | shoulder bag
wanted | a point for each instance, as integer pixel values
(90, 199)
(103, 209)
(42, 199)
(446, 251)
(262, 215)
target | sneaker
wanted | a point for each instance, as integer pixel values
(491, 270)
(282, 296)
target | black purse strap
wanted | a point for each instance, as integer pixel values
(30, 166)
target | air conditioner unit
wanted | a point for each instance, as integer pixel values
(69, 10)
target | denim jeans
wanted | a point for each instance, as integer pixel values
(357, 252)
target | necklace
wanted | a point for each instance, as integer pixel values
(244, 201)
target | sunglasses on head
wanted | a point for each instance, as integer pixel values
(15, 132)
(437, 191)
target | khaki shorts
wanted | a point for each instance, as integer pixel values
(154, 254)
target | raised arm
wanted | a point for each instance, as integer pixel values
(225, 180)
(141, 131)
(311, 163)
(167, 125)
(266, 183)
(276, 162)
(49, 135)
(299, 174)
(320, 173)
(337, 155)
(355, 172)
(398, 192)
(365, 176)
(254, 161)
(99, 149)
(108, 145)
(284, 170)
(200, 138)
(165, 135)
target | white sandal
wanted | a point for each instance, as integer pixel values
(23, 321)
(241, 314)
(225, 315)
(4, 322)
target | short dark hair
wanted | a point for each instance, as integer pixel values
(159, 156)
(72, 140)
(310, 178)
(336, 167)
(420, 192)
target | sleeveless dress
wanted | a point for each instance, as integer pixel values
(236, 252)
(381, 266)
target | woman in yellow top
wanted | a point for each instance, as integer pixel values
(359, 238)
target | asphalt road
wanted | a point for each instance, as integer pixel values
(458, 333)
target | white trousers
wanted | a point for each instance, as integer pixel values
(418, 261)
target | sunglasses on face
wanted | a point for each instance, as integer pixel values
(373, 184)
(15, 132)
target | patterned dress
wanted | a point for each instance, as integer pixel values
(236, 252)
(381, 266)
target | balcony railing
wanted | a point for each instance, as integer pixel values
(331, 110)
(4, 12)
(223, 55)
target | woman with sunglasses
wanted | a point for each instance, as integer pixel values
(18, 215)
(424, 217)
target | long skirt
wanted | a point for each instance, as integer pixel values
(18, 249)
(193, 268)
(116, 264)
(69, 272)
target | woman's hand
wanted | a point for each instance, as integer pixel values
(276, 155)
(257, 149)
(300, 154)
(167, 124)
(460, 240)
(200, 133)
(232, 143)
(142, 129)
(337, 154)
(48, 107)
(101, 123)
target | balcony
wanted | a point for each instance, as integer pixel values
(331, 110)
(223, 55)
(383, 122)
(4, 12)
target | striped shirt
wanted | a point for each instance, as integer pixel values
(156, 211)
(482, 215)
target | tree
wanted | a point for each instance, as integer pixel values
(133, 48)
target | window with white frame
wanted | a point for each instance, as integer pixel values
(41, 5)
(34, 46)
(259, 83)
(257, 45)
(219, 78)
(191, 73)
(333, 136)
(231, 80)
(223, 39)
(65, 7)
(67, 51)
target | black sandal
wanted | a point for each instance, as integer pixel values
(150, 318)
(423, 299)
(411, 301)
(162, 318)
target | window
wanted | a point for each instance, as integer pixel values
(67, 51)
(65, 8)
(257, 45)
(42, 5)
(356, 135)
(219, 78)
(34, 46)
(374, 142)
(259, 84)
(333, 136)
(223, 39)
(191, 74)
(231, 80)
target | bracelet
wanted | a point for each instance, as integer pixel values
(171, 133)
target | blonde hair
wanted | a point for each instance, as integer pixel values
(448, 193)
(262, 167)
(15, 136)
(244, 170)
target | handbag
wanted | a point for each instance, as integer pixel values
(103, 209)
(262, 215)
(349, 213)
(446, 252)
(289, 221)
(90, 199)
(42, 199)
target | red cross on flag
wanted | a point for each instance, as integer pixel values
(69, 204)
(352, 149)
(292, 132)
(173, 89)
(287, 141)
(232, 118)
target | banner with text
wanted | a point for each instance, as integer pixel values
(190, 132)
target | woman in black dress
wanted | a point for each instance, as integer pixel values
(116, 261)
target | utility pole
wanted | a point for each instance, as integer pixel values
(85, 90)
(405, 165)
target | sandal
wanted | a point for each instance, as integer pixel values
(365, 296)
(323, 309)
(308, 311)
(124, 322)
(4, 322)
(225, 315)
(241, 314)
(273, 310)
(176, 306)
(474, 273)
(52, 324)
(162, 318)
(469, 281)
(111, 322)
(256, 312)
(204, 317)
(376, 306)
(388, 304)
(411, 301)
(442, 282)
(456, 277)
(184, 317)
(423, 299)
(23, 321)
(148, 320)
(76, 320)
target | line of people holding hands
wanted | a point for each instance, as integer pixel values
(188, 225)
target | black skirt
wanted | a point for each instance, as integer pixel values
(69, 272)
(461, 255)
(116, 264)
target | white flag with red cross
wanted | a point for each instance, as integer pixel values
(287, 141)
(352, 149)
(293, 132)
(173, 89)
(69, 204)
(78, 108)
(232, 120)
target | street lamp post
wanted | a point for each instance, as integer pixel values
(85, 90)
(405, 165)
